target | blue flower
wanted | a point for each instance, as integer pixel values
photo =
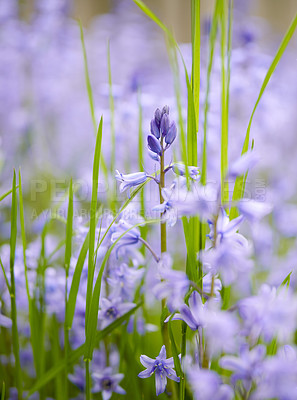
(130, 180)
(192, 314)
(112, 309)
(180, 169)
(154, 145)
(207, 385)
(107, 383)
(162, 367)
(247, 367)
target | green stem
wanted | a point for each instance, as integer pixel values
(164, 327)
(88, 389)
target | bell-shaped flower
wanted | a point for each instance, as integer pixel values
(130, 180)
(180, 169)
(162, 367)
(154, 145)
(192, 314)
(207, 385)
(247, 367)
(171, 134)
(254, 210)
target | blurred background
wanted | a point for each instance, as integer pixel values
(176, 13)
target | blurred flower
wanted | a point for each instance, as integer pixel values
(192, 314)
(130, 180)
(253, 210)
(107, 383)
(112, 309)
(208, 385)
(247, 367)
(162, 367)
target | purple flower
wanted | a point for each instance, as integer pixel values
(171, 134)
(112, 309)
(193, 313)
(207, 385)
(124, 280)
(253, 210)
(130, 238)
(279, 376)
(162, 367)
(173, 287)
(247, 367)
(269, 314)
(224, 227)
(107, 383)
(242, 164)
(154, 145)
(130, 180)
(180, 169)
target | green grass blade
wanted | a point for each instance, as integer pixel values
(90, 93)
(75, 282)
(3, 391)
(212, 42)
(15, 336)
(6, 194)
(175, 352)
(75, 355)
(5, 276)
(240, 181)
(196, 57)
(93, 210)
(69, 228)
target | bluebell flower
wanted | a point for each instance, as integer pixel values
(123, 281)
(225, 228)
(253, 210)
(130, 180)
(180, 169)
(242, 164)
(161, 128)
(207, 385)
(112, 309)
(221, 329)
(230, 259)
(192, 314)
(130, 238)
(247, 367)
(173, 286)
(279, 376)
(270, 314)
(167, 209)
(154, 145)
(107, 383)
(162, 367)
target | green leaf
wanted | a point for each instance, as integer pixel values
(93, 210)
(175, 352)
(6, 194)
(15, 335)
(75, 282)
(287, 280)
(90, 93)
(75, 355)
(3, 391)
(69, 227)
(240, 181)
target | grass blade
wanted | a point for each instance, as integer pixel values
(75, 355)
(90, 94)
(15, 336)
(240, 181)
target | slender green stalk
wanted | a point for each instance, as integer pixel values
(88, 388)
(68, 249)
(15, 336)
